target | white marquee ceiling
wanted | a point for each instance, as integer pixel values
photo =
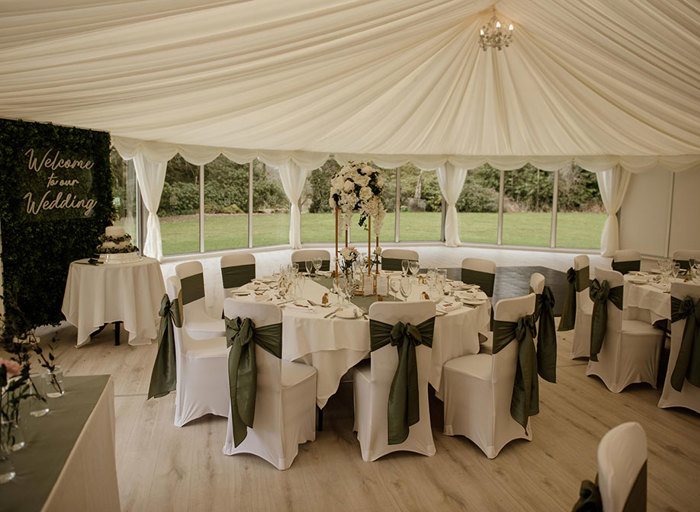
(585, 77)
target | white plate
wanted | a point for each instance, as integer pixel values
(474, 302)
(638, 280)
(348, 313)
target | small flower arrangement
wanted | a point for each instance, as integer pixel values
(357, 187)
(349, 256)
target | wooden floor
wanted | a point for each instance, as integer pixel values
(162, 467)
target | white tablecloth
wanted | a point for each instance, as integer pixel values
(334, 345)
(126, 292)
(650, 297)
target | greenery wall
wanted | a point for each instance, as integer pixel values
(37, 249)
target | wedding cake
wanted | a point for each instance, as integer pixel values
(116, 247)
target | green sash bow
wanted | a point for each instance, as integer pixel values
(591, 501)
(484, 280)
(242, 336)
(600, 294)
(164, 373)
(578, 281)
(192, 288)
(688, 362)
(403, 408)
(236, 276)
(525, 400)
(625, 267)
(546, 335)
(392, 263)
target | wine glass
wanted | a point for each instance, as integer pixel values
(295, 267)
(405, 287)
(317, 262)
(413, 267)
(675, 270)
(404, 267)
(309, 265)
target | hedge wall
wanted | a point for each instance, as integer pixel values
(48, 167)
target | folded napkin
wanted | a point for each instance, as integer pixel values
(447, 306)
(300, 305)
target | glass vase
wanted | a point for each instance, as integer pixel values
(12, 434)
(7, 470)
(54, 388)
(38, 406)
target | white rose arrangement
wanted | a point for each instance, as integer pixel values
(349, 255)
(357, 187)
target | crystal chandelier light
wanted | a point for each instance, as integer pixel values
(492, 34)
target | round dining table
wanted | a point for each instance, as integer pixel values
(128, 292)
(333, 339)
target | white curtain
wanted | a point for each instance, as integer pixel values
(451, 181)
(613, 187)
(293, 179)
(150, 175)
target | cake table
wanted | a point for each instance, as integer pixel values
(128, 292)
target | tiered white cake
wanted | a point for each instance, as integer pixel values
(116, 247)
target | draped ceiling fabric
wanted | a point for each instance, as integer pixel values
(603, 83)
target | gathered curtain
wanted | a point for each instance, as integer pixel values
(293, 179)
(451, 180)
(613, 185)
(150, 175)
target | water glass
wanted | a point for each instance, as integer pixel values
(317, 264)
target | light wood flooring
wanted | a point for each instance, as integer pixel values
(162, 467)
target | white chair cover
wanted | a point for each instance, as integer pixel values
(626, 255)
(236, 259)
(201, 372)
(621, 455)
(303, 255)
(686, 254)
(478, 389)
(285, 402)
(397, 255)
(196, 319)
(631, 348)
(372, 385)
(581, 341)
(689, 396)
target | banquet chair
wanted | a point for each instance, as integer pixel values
(581, 341)
(285, 397)
(237, 269)
(621, 484)
(391, 258)
(201, 371)
(372, 385)
(631, 348)
(689, 394)
(626, 260)
(303, 255)
(684, 256)
(478, 389)
(196, 319)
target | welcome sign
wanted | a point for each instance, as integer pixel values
(55, 200)
(58, 184)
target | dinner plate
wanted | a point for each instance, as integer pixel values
(474, 301)
(348, 313)
(638, 280)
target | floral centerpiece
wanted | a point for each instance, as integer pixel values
(357, 187)
(349, 256)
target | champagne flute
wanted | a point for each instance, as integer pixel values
(405, 287)
(404, 267)
(317, 262)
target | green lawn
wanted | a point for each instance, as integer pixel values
(574, 230)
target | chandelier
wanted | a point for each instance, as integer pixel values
(492, 34)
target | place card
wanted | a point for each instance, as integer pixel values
(383, 285)
(368, 285)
